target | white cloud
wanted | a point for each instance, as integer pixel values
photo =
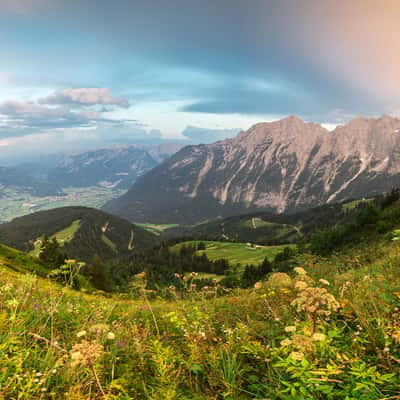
(85, 97)
(62, 109)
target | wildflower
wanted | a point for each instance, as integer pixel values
(286, 342)
(290, 329)
(300, 271)
(194, 274)
(319, 337)
(110, 336)
(258, 285)
(300, 285)
(86, 353)
(386, 350)
(81, 334)
(279, 280)
(99, 328)
(193, 286)
(296, 355)
(396, 336)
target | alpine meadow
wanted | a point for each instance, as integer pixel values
(199, 200)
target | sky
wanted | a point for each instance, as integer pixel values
(92, 73)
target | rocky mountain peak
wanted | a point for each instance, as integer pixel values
(284, 165)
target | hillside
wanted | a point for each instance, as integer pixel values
(83, 232)
(326, 331)
(18, 261)
(20, 181)
(265, 227)
(282, 166)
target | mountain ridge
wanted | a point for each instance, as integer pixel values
(281, 166)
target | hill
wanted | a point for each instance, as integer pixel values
(83, 232)
(265, 227)
(282, 166)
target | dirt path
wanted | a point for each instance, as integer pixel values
(131, 245)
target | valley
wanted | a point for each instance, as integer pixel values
(14, 203)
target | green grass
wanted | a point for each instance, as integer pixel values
(235, 253)
(20, 262)
(157, 229)
(63, 237)
(255, 223)
(109, 243)
(56, 343)
(353, 204)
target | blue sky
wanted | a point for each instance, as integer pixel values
(92, 73)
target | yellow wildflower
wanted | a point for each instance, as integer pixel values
(296, 355)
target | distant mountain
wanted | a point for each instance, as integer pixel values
(282, 166)
(114, 167)
(84, 232)
(21, 181)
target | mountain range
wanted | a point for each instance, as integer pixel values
(283, 166)
(19, 180)
(114, 167)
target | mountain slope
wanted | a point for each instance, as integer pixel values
(117, 167)
(95, 232)
(263, 227)
(15, 179)
(283, 166)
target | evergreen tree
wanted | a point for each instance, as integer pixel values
(100, 274)
(51, 254)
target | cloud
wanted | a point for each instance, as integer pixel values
(84, 97)
(20, 117)
(70, 108)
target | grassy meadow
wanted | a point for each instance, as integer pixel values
(320, 332)
(62, 237)
(235, 253)
(157, 229)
